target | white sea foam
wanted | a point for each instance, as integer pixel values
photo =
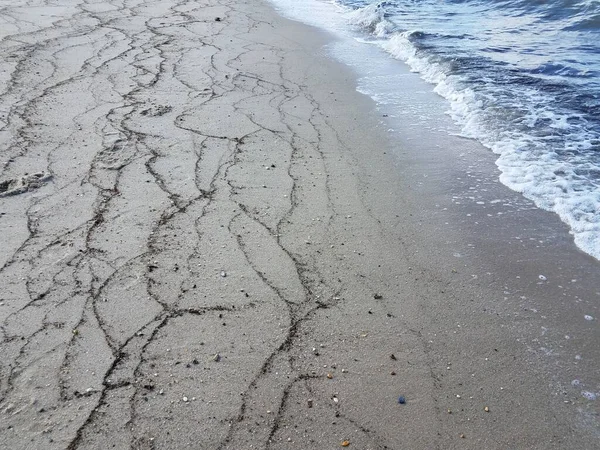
(527, 165)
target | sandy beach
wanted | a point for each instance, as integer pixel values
(210, 242)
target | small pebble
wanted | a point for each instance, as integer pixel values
(486, 409)
(329, 376)
(401, 400)
(310, 403)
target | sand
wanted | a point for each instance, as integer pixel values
(210, 242)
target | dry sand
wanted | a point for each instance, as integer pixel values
(208, 242)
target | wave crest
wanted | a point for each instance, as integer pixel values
(373, 19)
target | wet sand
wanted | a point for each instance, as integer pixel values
(209, 241)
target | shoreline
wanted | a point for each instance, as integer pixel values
(241, 248)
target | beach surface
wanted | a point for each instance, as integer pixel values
(209, 241)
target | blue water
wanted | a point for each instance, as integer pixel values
(520, 76)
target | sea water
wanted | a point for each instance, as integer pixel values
(520, 76)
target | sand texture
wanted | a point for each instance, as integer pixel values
(205, 246)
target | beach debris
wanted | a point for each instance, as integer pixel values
(401, 400)
(587, 317)
(589, 395)
(392, 356)
(329, 376)
(334, 398)
(310, 402)
(216, 357)
(345, 443)
(156, 111)
(185, 399)
(377, 296)
(217, 19)
(457, 396)
(23, 184)
(486, 409)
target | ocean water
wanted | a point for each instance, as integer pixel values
(520, 76)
